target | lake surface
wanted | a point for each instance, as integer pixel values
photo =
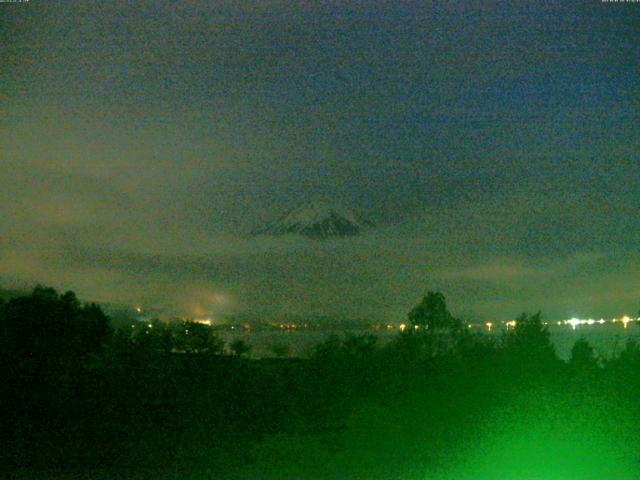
(607, 339)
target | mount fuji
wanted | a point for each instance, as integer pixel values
(318, 221)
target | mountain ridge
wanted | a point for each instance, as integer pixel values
(318, 221)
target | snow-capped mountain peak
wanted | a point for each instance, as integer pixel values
(319, 221)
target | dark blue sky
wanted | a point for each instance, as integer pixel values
(496, 143)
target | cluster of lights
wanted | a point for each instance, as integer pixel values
(292, 326)
(573, 322)
(489, 325)
(403, 327)
(576, 322)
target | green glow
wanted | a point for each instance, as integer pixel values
(550, 441)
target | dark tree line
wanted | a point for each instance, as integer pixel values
(77, 395)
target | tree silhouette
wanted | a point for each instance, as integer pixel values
(433, 315)
(45, 326)
(583, 356)
(280, 350)
(433, 331)
(93, 328)
(529, 343)
(152, 337)
(240, 347)
(629, 357)
(193, 337)
(329, 347)
(359, 346)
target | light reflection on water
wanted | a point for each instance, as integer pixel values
(607, 339)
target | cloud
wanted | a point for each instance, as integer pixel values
(511, 270)
(495, 148)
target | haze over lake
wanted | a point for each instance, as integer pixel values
(607, 339)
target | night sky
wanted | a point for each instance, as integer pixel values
(495, 144)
